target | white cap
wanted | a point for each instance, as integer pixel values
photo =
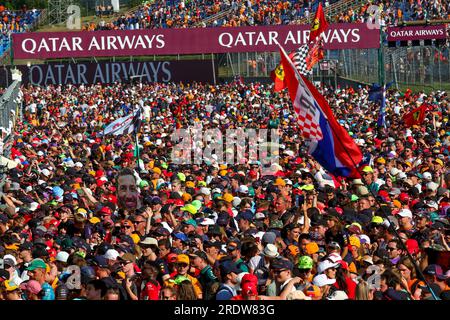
(325, 265)
(78, 165)
(111, 254)
(364, 238)
(427, 176)
(271, 251)
(405, 213)
(322, 280)
(394, 171)
(402, 175)
(33, 206)
(45, 172)
(334, 257)
(236, 201)
(205, 191)
(10, 257)
(40, 153)
(62, 256)
(338, 295)
(243, 189)
(207, 222)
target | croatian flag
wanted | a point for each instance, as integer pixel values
(329, 143)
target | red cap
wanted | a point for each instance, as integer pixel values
(413, 246)
(179, 202)
(106, 210)
(403, 197)
(249, 289)
(249, 278)
(100, 183)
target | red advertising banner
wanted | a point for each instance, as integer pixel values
(416, 33)
(48, 45)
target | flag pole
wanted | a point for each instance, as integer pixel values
(136, 141)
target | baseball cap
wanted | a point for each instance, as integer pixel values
(325, 265)
(312, 248)
(305, 262)
(270, 251)
(279, 264)
(128, 257)
(182, 258)
(32, 286)
(228, 267)
(148, 241)
(268, 237)
(249, 289)
(405, 213)
(435, 270)
(245, 215)
(62, 256)
(322, 280)
(338, 295)
(200, 254)
(36, 264)
(181, 236)
(111, 254)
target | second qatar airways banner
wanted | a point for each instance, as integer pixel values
(47, 45)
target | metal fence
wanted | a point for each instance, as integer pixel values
(10, 112)
(421, 66)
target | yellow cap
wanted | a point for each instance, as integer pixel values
(367, 169)
(280, 182)
(157, 170)
(186, 197)
(201, 183)
(377, 219)
(228, 197)
(397, 204)
(94, 220)
(223, 172)
(354, 241)
(381, 160)
(190, 184)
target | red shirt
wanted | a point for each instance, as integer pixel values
(351, 287)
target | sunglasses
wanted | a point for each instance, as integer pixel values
(137, 222)
(126, 227)
(391, 249)
(181, 265)
(165, 297)
(279, 271)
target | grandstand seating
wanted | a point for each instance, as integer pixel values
(15, 22)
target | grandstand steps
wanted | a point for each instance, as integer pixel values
(334, 10)
(210, 19)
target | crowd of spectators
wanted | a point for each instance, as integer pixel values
(14, 22)
(189, 14)
(155, 229)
